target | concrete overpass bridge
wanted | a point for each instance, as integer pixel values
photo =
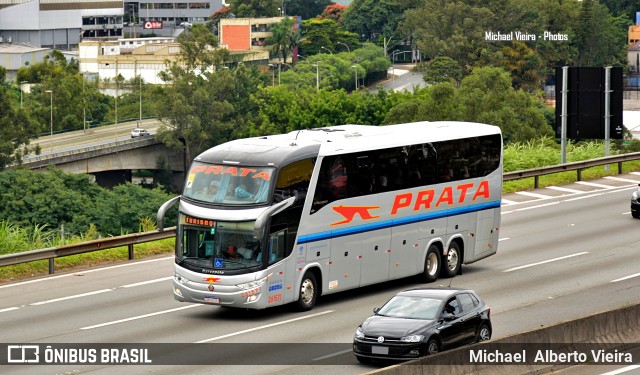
(109, 153)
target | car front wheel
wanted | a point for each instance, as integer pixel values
(433, 347)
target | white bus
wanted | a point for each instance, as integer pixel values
(286, 218)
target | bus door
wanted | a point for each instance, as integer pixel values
(346, 256)
(376, 247)
(402, 260)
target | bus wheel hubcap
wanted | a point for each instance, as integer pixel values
(306, 291)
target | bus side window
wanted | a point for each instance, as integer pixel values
(277, 246)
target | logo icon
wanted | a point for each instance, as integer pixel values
(350, 212)
(380, 339)
(23, 354)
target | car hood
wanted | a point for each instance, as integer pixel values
(393, 327)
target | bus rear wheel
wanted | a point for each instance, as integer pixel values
(453, 261)
(308, 293)
(431, 265)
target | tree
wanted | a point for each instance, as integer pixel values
(442, 69)
(284, 38)
(195, 106)
(16, 130)
(305, 8)
(524, 65)
(333, 12)
(371, 18)
(255, 8)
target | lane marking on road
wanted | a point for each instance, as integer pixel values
(534, 195)
(636, 173)
(503, 239)
(140, 317)
(70, 297)
(595, 185)
(613, 178)
(147, 282)
(84, 272)
(531, 207)
(625, 278)
(333, 355)
(265, 326)
(9, 309)
(584, 197)
(506, 201)
(546, 261)
(622, 370)
(560, 188)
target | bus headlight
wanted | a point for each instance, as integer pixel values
(180, 279)
(254, 284)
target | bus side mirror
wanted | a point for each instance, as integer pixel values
(261, 221)
(163, 210)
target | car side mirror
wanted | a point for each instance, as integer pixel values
(448, 316)
(375, 310)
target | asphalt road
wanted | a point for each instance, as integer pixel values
(564, 252)
(91, 137)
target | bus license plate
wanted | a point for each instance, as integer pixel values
(380, 350)
(212, 299)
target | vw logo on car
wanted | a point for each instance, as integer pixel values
(381, 339)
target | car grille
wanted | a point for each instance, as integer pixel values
(396, 347)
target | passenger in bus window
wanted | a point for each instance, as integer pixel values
(231, 253)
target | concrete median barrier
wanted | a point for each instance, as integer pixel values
(601, 338)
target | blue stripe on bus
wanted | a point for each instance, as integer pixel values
(396, 222)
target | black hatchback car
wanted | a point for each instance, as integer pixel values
(419, 322)
(635, 203)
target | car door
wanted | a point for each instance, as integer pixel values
(452, 328)
(470, 316)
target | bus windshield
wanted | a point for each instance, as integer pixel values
(228, 185)
(224, 245)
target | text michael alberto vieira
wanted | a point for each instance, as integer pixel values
(548, 356)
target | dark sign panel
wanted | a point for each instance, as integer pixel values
(585, 103)
(153, 25)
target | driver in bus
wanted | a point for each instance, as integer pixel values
(232, 253)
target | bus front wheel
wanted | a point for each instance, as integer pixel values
(431, 264)
(308, 293)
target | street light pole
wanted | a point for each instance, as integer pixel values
(346, 45)
(355, 67)
(21, 83)
(331, 53)
(273, 75)
(140, 98)
(317, 65)
(51, 118)
(84, 108)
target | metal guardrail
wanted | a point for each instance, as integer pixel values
(85, 247)
(577, 166)
(130, 239)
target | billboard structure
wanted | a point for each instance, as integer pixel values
(592, 102)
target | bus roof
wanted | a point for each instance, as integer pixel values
(281, 149)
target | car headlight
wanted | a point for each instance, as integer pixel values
(254, 284)
(412, 338)
(634, 195)
(359, 333)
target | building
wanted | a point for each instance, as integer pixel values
(15, 56)
(248, 34)
(59, 24)
(145, 57)
(166, 17)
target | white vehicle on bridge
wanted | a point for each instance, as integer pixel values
(286, 218)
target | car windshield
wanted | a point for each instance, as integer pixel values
(220, 245)
(228, 185)
(411, 307)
